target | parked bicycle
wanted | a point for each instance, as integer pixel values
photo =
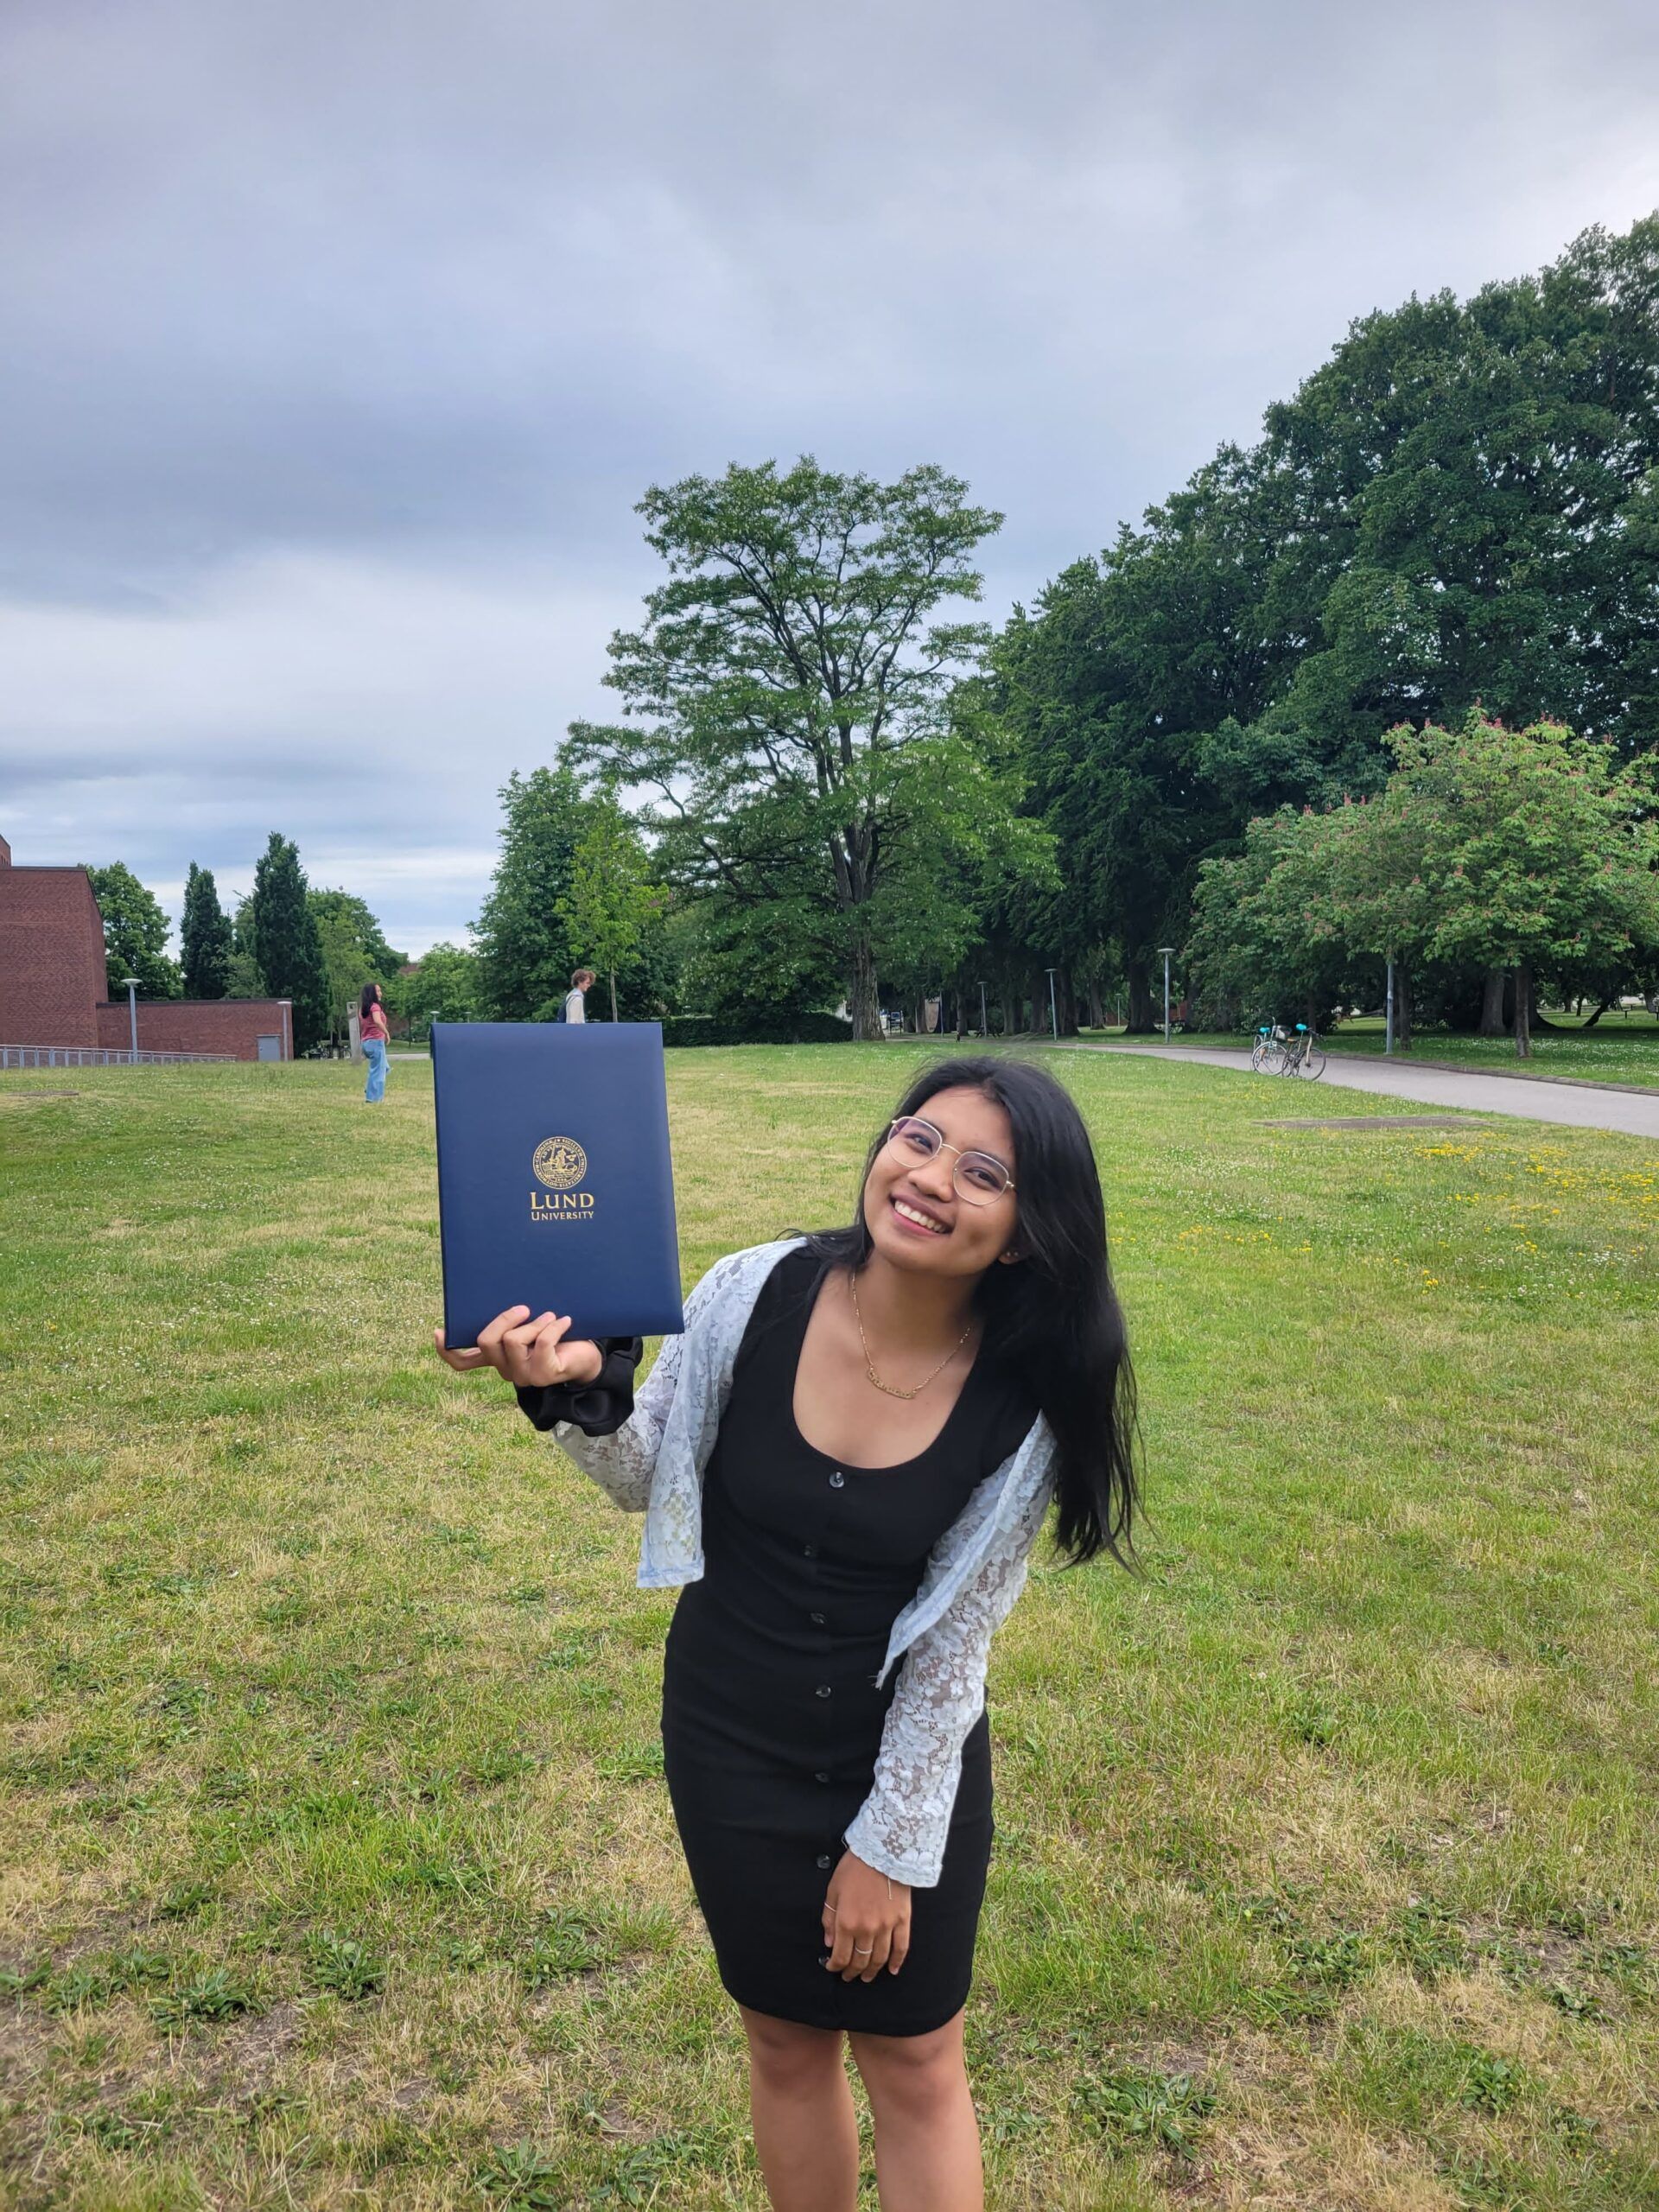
(1268, 1050)
(1277, 1051)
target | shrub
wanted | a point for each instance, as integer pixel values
(756, 1027)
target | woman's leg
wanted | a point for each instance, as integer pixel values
(805, 2129)
(375, 1088)
(926, 2135)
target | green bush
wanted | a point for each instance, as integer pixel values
(783, 1027)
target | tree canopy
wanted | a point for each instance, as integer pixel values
(788, 706)
(282, 934)
(1487, 849)
(354, 952)
(205, 941)
(136, 932)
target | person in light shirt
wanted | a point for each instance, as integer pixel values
(576, 1001)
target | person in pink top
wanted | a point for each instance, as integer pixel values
(376, 1037)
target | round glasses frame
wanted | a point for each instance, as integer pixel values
(905, 1124)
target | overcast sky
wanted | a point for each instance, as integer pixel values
(338, 340)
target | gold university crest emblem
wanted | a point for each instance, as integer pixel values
(559, 1162)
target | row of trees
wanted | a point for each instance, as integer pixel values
(842, 787)
(829, 780)
(284, 940)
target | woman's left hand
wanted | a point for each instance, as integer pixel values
(865, 1921)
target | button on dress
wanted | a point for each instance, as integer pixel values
(770, 1717)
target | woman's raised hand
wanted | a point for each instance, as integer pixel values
(532, 1352)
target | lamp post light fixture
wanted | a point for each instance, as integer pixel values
(1053, 1018)
(1166, 950)
(129, 985)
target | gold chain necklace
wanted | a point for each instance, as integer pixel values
(869, 1364)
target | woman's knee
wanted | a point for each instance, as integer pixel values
(918, 2074)
(785, 2052)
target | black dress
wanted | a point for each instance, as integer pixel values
(770, 1717)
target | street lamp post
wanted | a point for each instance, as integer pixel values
(1053, 1018)
(129, 985)
(1388, 1018)
(1166, 950)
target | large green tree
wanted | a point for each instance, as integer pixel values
(355, 951)
(136, 932)
(443, 985)
(525, 955)
(282, 932)
(610, 901)
(204, 937)
(788, 701)
(1535, 853)
(1115, 685)
(1488, 850)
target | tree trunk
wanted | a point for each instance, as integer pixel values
(867, 1011)
(1402, 1006)
(1597, 1015)
(1140, 1022)
(1522, 1011)
(1096, 1011)
(612, 995)
(1491, 1003)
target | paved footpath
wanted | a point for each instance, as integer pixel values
(1584, 1105)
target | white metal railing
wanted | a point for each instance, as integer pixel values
(93, 1056)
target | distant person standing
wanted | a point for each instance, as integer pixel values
(376, 1037)
(576, 1000)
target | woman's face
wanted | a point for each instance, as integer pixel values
(914, 1214)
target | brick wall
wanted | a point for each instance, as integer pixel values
(51, 956)
(233, 1026)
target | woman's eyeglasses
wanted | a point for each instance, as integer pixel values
(977, 1176)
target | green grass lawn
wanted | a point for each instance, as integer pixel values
(1622, 1047)
(337, 1868)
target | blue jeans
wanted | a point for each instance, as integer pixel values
(375, 1053)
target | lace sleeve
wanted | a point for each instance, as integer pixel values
(623, 1462)
(901, 1827)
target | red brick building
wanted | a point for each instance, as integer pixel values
(53, 989)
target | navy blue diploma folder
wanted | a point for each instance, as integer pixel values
(556, 1189)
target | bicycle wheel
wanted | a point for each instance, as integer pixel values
(1261, 1055)
(1312, 1064)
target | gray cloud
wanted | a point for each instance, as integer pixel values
(341, 340)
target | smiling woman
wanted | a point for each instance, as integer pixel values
(845, 1460)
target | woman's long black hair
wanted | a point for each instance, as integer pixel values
(370, 992)
(1053, 1316)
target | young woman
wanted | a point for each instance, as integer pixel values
(845, 1460)
(376, 1037)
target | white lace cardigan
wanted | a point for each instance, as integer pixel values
(654, 1464)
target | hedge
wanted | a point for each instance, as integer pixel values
(780, 1029)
